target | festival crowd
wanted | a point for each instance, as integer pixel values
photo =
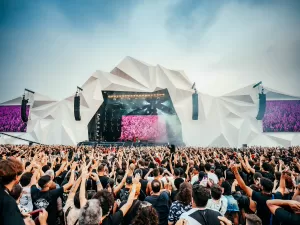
(282, 116)
(67, 185)
(10, 119)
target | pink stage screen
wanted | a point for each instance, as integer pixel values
(10, 119)
(144, 128)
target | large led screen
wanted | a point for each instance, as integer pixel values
(282, 116)
(144, 128)
(10, 119)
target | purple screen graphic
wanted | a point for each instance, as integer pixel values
(144, 128)
(282, 116)
(10, 119)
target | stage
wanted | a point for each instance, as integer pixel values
(125, 144)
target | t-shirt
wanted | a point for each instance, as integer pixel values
(9, 211)
(201, 217)
(213, 177)
(25, 204)
(73, 212)
(161, 205)
(263, 211)
(177, 208)
(103, 180)
(114, 219)
(46, 200)
(219, 206)
(132, 212)
(286, 217)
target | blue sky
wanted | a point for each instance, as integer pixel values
(53, 46)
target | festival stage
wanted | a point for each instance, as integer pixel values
(126, 144)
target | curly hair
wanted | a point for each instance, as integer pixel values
(106, 200)
(91, 213)
(184, 194)
(146, 216)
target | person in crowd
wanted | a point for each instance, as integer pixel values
(160, 201)
(146, 215)
(217, 202)
(260, 198)
(182, 204)
(199, 214)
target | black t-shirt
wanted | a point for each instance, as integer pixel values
(143, 195)
(103, 180)
(173, 195)
(286, 217)
(114, 219)
(161, 204)
(263, 211)
(130, 215)
(9, 211)
(204, 217)
(46, 200)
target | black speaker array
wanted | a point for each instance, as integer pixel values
(77, 108)
(262, 106)
(23, 110)
(195, 107)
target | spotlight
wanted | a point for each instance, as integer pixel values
(258, 84)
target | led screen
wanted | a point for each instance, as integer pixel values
(282, 116)
(144, 128)
(10, 119)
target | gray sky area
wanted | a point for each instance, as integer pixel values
(53, 46)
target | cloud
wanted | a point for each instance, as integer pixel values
(51, 47)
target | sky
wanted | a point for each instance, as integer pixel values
(53, 46)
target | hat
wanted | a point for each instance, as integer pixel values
(129, 180)
(44, 180)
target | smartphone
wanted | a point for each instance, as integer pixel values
(35, 212)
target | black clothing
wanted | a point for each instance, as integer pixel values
(9, 211)
(263, 211)
(286, 217)
(208, 216)
(161, 205)
(130, 215)
(103, 180)
(46, 200)
(114, 219)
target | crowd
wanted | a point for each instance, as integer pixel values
(10, 119)
(282, 116)
(149, 185)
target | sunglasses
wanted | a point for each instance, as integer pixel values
(145, 204)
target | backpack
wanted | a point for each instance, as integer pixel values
(124, 195)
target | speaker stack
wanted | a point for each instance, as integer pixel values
(77, 105)
(24, 109)
(195, 106)
(262, 106)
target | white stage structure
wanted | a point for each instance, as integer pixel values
(224, 121)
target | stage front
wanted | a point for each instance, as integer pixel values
(136, 117)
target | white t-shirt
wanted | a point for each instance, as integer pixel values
(213, 177)
(195, 179)
(73, 214)
(25, 204)
(219, 206)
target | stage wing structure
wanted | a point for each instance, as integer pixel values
(228, 120)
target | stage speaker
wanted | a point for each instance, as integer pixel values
(262, 106)
(77, 108)
(23, 110)
(244, 145)
(195, 106)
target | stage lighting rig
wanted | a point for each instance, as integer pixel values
(194, 87)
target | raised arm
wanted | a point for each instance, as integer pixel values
(241, 182)
(129, 202)
(68, 185)
(82, 198)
